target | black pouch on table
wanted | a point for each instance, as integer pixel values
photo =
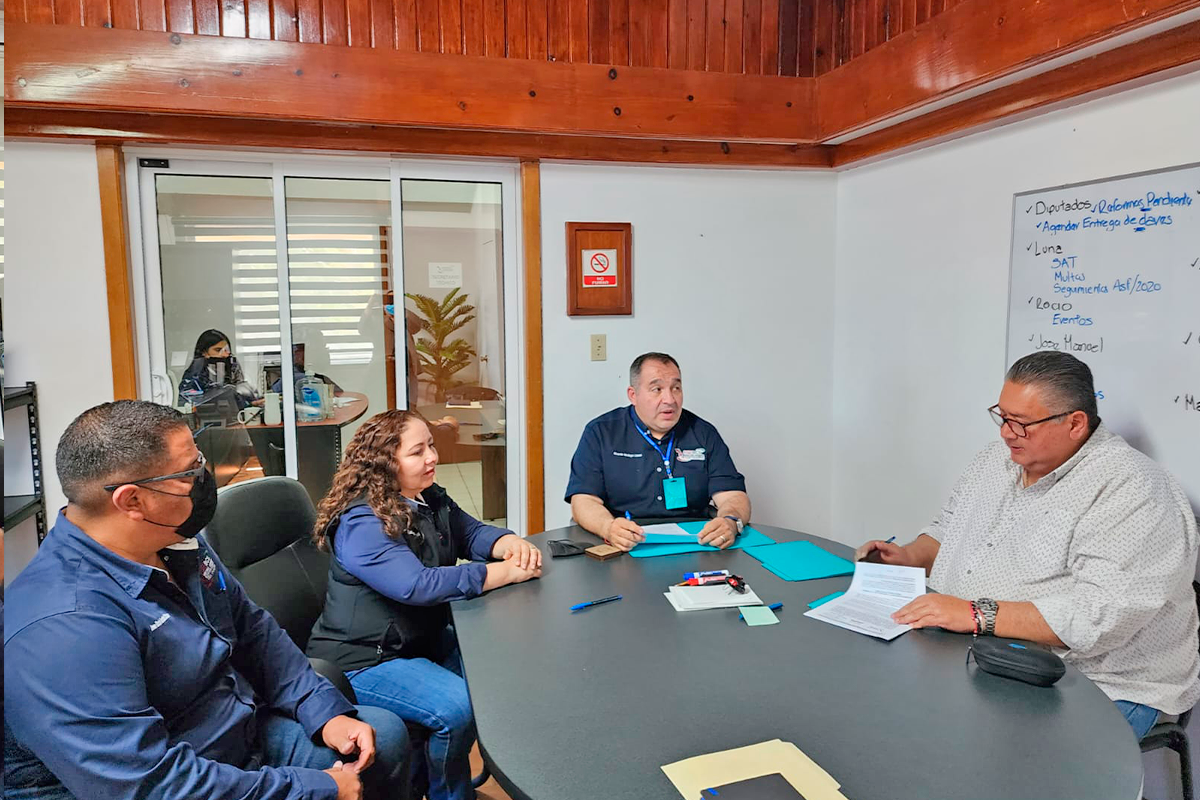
(563, 548)
(1023, 661)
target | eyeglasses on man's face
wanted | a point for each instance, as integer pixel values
(1020, 429)
(194, 472)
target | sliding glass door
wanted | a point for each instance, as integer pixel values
(391, 292)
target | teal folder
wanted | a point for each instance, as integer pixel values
(750, 538)
(801, 561)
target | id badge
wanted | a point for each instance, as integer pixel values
(675, 493)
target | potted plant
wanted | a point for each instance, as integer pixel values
(441, 359)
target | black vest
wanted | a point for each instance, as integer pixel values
(360, 627)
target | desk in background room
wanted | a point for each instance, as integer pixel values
(487, 422)
(319, 444)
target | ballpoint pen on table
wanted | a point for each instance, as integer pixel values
(590, 603)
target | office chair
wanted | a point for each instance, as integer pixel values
(1174, 735)
(262, 531)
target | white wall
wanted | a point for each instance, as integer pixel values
(55, 314)
(732, 274)
(922, 291)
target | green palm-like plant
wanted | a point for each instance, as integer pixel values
(441, 359)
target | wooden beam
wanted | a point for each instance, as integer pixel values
(110, 164)
(974, 42)
(535, 452)
(115, 70)
(1176, 50)
(55, 123)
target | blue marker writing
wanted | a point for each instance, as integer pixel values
(591, 603)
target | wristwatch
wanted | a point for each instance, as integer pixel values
(988, 608)
(740, 525)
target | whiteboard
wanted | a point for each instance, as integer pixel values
(1109, 271)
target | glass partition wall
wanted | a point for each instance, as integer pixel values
(390, 293)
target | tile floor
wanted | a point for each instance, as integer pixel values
(464, 483)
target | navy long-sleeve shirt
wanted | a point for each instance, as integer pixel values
(126, 685)
(392, 569)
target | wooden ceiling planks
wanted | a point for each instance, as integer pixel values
(961, 45)
(737, 36)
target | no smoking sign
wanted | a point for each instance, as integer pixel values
(600, 268)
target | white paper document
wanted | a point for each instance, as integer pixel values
(669, 529)
(699, 598)
(876, 592)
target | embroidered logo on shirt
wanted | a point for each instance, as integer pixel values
(627, 455)
(158, 623)
(208, 571)
(690, 455)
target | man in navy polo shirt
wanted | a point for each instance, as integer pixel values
(136, 666)
(655, 460)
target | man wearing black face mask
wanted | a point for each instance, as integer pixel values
(135, 665)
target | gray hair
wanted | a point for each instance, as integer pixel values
(1066, 379)
(113, 442)
(635, 369)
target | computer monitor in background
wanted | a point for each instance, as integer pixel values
(273, 367)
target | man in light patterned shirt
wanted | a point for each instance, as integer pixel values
(1065, 535)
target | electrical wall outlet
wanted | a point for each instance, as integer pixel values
(599, 347)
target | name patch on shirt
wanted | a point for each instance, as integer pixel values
(208, 571)
(158, 623)
(690, 455)
(627, 455)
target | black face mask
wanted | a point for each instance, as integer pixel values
(204, 506)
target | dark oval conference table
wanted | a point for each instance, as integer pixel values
(591, 704)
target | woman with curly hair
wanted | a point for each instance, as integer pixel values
(395, 537)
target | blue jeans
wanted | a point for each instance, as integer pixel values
(283, 744)
(1141, 718)
(433, 695)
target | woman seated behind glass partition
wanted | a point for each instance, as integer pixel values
(213, 366)
(396, 537)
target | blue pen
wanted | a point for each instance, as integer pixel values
(591, 603)
(628, 516)
(221, 579)
(687, 576)
(773, 607)
(889, 541)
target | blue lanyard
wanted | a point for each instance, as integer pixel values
(666, 457)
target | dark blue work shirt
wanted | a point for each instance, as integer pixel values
(128, 686)
(613, 462)
(391, 568)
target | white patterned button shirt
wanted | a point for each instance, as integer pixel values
(1105, 548)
